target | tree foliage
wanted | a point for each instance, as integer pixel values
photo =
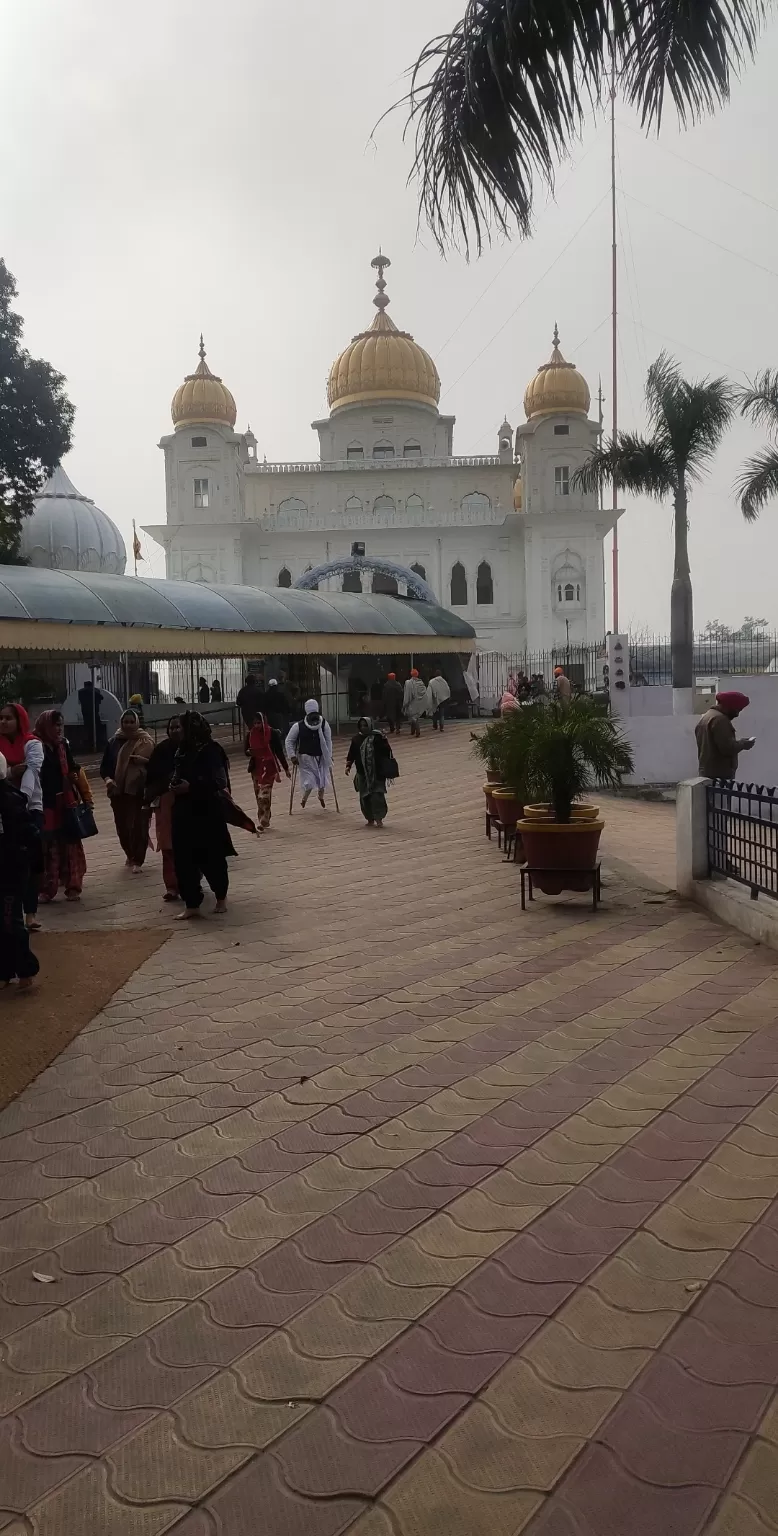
(36, 420)
(495, 104)
(757, 482)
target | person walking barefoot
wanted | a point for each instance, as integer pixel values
(309, 744)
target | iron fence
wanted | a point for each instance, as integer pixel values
(743, 834)
(497, 670)
(714, 656)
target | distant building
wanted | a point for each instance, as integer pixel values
(505, 540)
(67, 532)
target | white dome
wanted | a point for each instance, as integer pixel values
(67, 532)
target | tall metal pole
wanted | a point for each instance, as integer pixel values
(614, 338)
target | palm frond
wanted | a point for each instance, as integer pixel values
(760, 400)
(692, 50)
(690, 416)
(643, 465)
(757, 483)
(496, 103)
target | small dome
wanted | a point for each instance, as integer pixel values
(556, 387)
(67, 532)
(202, 399)
(517, 495)
(383, 363)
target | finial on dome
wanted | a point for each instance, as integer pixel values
(202, 348)
(380, 262)
(556, 334)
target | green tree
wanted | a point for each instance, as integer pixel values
(751, 628)
(687, 420)
(758, 479)
(36, 419)
(496, 103)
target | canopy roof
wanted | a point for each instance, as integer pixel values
(77, 611)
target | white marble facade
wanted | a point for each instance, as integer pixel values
(505, 540)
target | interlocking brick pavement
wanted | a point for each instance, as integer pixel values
(382, 1207)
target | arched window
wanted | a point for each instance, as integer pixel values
(420, 571)
(476, 502)
(353, 504)
(385, 584)
(484, 587)
(355, 451)
(292, 504)
(569, 592)
(414, 503)
(352, 581)
(384, 504)
(284, 577)
(458, 585)
(383, 450)
(412, 450)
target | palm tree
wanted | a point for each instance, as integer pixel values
(498, 101)
(758, 479)
(687, 420)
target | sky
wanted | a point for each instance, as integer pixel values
(176, 167)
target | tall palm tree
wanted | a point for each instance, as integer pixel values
(687, 420)
(497, 102)
(758, 479)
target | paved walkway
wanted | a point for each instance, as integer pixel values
(382, 1208)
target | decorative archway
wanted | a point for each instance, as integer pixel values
(415, 584)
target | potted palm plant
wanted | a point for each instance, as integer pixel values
(570, 749)
(488, 747)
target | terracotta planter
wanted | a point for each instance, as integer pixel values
(544, 812)
(565, 846)
(493, 776)
(491, 804)
(507, 806)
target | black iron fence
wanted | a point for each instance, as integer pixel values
(743, 834)
(500, 670)
(714, 656)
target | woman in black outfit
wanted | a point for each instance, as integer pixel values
(201, 809)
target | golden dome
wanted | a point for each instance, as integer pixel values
(517, 495)
(202, 398)
(556, 387)
(383, 363)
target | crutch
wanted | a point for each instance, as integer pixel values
(291, 792)
(335, 792)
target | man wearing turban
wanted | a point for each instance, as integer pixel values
(717, 745)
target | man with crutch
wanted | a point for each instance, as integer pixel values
(309, 745)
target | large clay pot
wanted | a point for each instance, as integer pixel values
(488, 790)
(564, 845)
(493, 776)
(507, 806)
(543, 811)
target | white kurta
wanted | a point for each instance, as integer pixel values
(314, 771)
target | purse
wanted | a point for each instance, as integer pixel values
(392, 769)
(78, 823)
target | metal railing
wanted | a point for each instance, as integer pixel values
(743, 834)
(714, 656)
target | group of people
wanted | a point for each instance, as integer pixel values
(521, 689)
(414, 700)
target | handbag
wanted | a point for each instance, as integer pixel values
(392, 769)
(78, 823)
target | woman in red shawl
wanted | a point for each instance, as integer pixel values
(266, 758)
(64, 862)
(23, 753)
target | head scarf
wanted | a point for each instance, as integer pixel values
(13, 751)
(272, 682)
(174, 720)
(311, 707)
(508, 701)
(120, 732)
(390, 677)
(197, 731)
(559, 671)
(263, 760)
(414, 671)
(46, 727)
(732, 703)
(365, 720)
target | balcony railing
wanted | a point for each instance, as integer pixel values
(317, 466)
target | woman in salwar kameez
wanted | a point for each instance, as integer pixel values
(369, 755)
(160, 796)
(124, 766)
(64, 861)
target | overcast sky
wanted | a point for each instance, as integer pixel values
(167, 168)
